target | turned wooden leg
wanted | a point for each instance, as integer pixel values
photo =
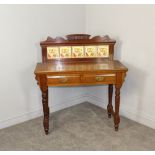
(110, 107)
(117, 104)
(45, 110)
(42, 81)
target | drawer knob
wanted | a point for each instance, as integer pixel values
(99, 78)
(63, 80)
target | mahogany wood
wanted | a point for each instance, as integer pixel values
(80, 71)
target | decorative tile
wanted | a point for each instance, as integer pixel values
(90, 51)
(77, 51)
(65, 51)
(52, 52)
(103, 51)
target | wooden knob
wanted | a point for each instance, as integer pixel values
(63, 80)
(99, 78)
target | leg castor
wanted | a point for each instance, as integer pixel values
(46, 131)
(116, 128)
(109, 115)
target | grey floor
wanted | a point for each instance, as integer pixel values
(81, 127)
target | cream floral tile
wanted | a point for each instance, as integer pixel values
(103, 51)
(90, 51)
(77, 51)
(65, 51)
(52, 52)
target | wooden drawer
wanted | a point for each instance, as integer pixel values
(99, 78)
(63, 80)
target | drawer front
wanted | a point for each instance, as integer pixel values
(99, 78)
(63, 80)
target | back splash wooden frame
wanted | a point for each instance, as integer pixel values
(73, 40)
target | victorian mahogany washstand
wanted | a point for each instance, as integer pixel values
(80, 60)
